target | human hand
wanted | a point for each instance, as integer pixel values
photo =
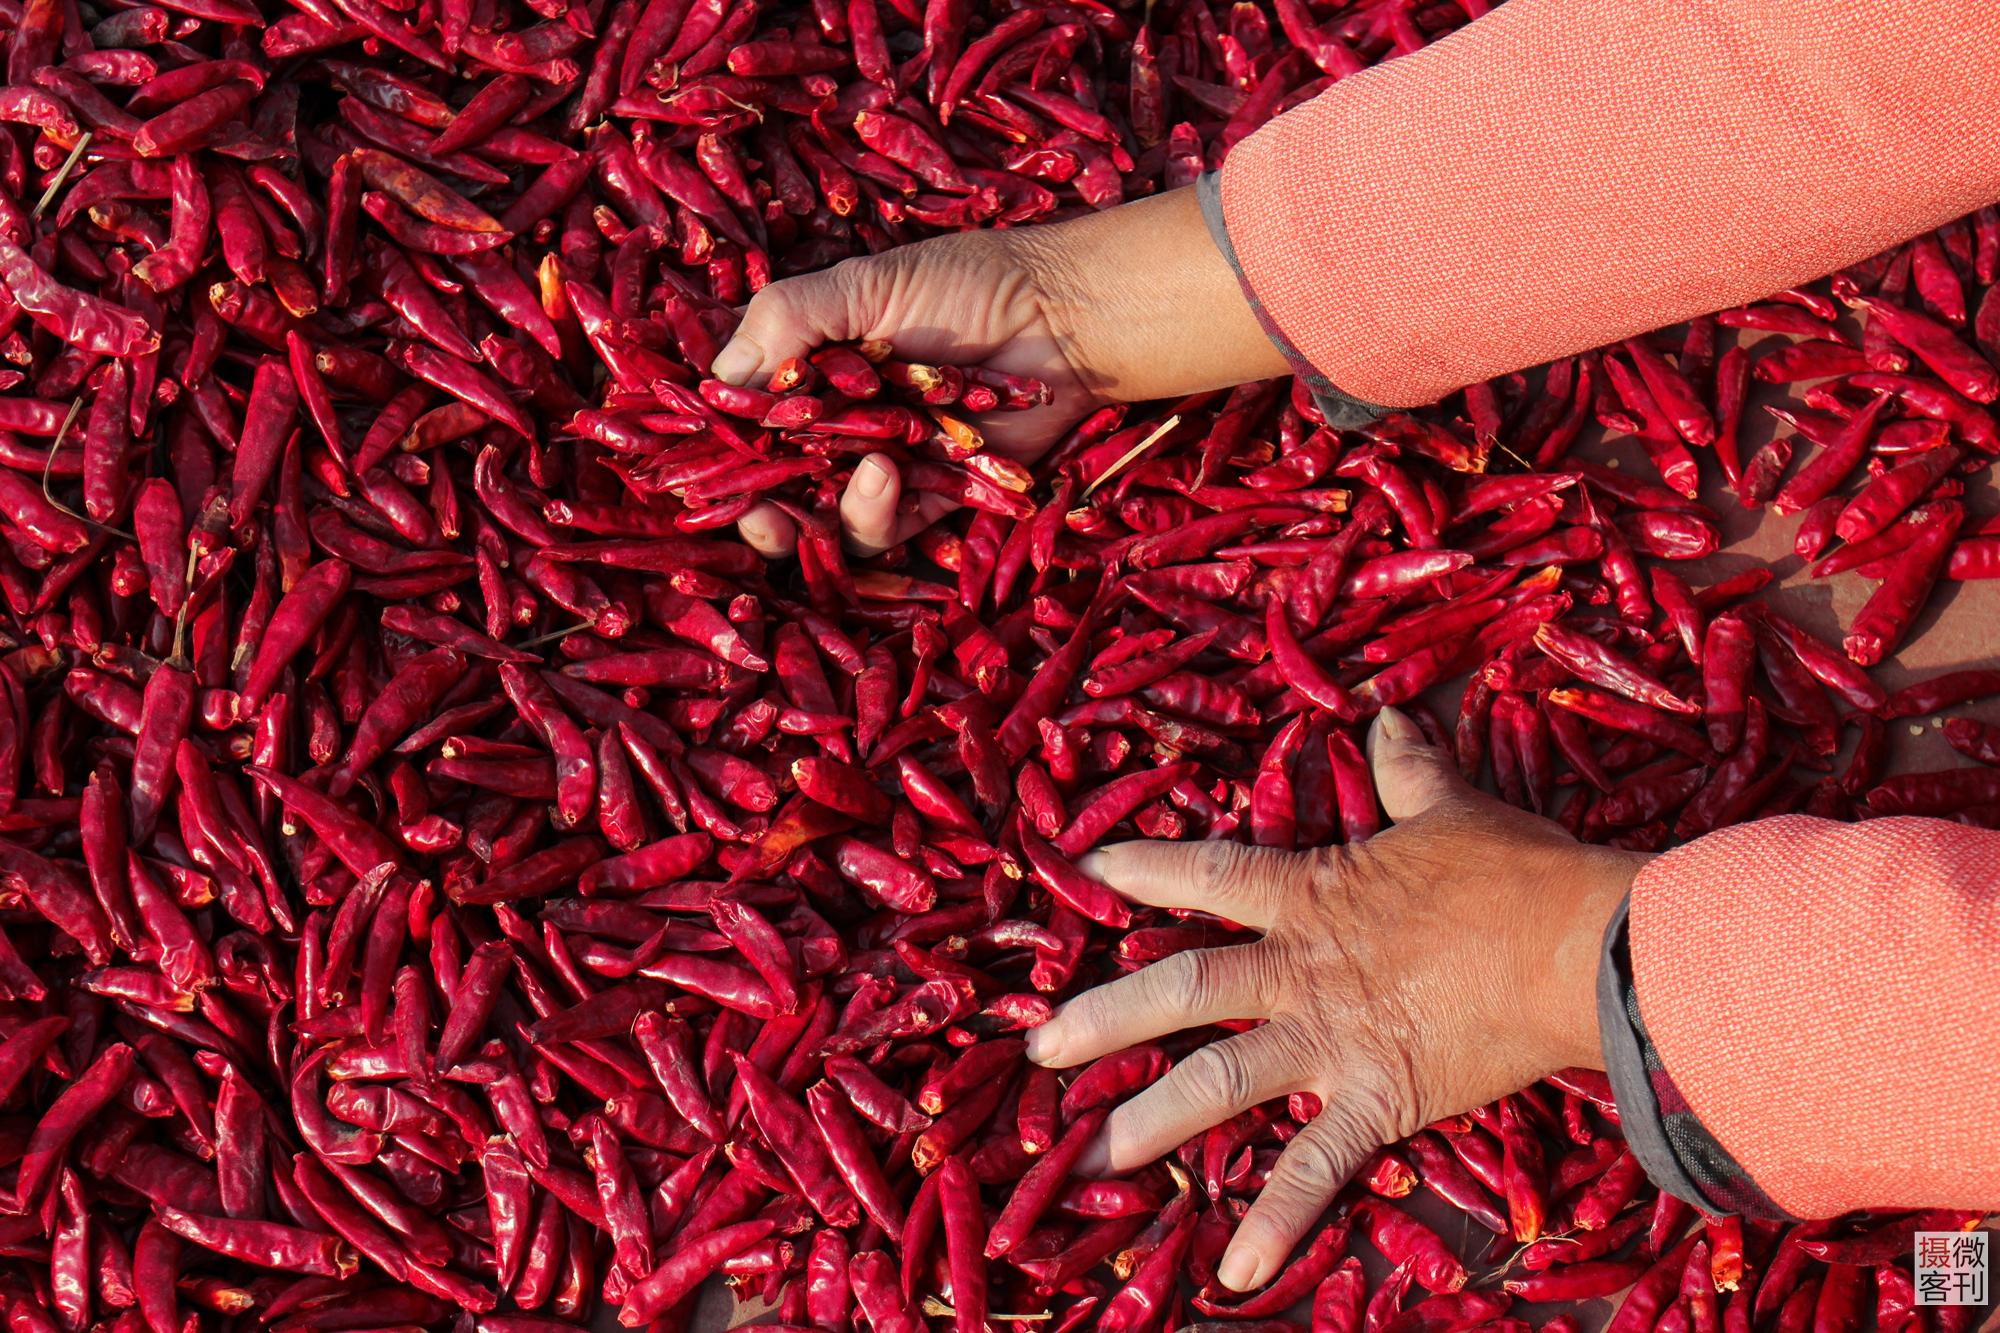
(1445, 962)
(971, 298)
(1098, 308)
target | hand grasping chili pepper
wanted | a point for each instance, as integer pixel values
(1094, 308)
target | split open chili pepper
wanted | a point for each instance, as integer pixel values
(1830, 669)
(1594, 663)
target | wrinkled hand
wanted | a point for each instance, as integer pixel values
(1132, 303)
(1447, 961)
(972, 298)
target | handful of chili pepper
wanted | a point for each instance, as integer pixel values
(797, 438)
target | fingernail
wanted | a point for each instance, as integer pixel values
(736, 362)
(1041, 1044)
(872, 478)
(1238, 1269)
(1396, 725)
(1093, 864)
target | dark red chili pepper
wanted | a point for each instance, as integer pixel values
(1889, 613)
(1143, 1297)
(1401, 1238)
(1579, 1281)
(687, 1267)
(853, 1157)
(1301, 1275)
(359, 846)
(875, 1291)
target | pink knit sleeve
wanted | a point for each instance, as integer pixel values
(1823, 998)
(1563, 173)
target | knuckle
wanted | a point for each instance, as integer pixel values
(1312, 1166)
(1216, 867)
(1265, 972)
(1218, 1075)
(1080, 1021)
(767, 308)
(1350, 1126)
(1075, 1025)
(771, 297)
(1385, 1105)
(1293, 1045)
(1172, 977)
(1190, 980)
(1303, 1182)
(1142, 1128)
(1328, 869)
(1166, 985)
(1120, 1136)
(848, 280)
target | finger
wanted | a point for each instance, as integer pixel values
(930, 508)
(1249, 885)
(1411, 774)
(785, 319)
(1185, 991)
(868, 506)
(1221, 1079)
(1306, 1176)
(769, 532)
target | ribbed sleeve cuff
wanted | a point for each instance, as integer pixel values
(1342, 411)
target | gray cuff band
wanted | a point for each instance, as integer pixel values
(1625, 1061)
(1342, 411)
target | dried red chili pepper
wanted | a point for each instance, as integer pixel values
(1832, 464)
(1889, 613)
(489, 205)
(687, 1267)
(1402, 1239)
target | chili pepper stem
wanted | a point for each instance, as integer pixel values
(61, 178)
(937, 1308)
(1153, 437)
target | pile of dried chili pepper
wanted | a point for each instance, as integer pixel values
(445, 876)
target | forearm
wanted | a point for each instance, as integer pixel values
(1563, 173)
(1148, 302)
(1565, 935)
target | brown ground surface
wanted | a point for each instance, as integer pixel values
(1960, 628)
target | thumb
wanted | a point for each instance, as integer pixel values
(868, 507)
(1411, 774)
(787, 319)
